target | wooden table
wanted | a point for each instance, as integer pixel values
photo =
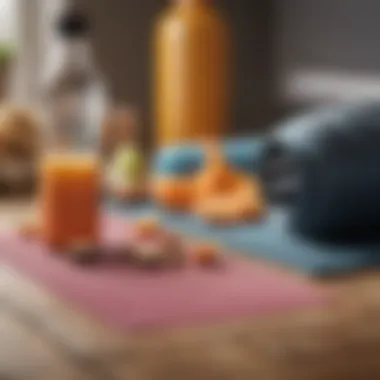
(42, 338)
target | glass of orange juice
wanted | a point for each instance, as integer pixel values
(70, 198)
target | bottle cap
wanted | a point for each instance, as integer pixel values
(73, 24)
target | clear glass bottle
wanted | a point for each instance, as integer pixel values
(76, 93)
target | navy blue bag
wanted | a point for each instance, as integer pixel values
(335, 168)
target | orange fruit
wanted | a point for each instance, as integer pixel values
(173, 193)
(148, 227)
(206, 254)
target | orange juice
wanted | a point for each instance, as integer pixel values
(191, 73)
(70, 189)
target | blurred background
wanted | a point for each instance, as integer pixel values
(122, 34)
(287, 53)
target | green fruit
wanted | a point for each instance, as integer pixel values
(128, 163)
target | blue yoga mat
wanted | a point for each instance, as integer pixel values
(272, 240)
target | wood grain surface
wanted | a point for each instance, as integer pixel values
(43, 338)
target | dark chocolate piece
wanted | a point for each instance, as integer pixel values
(84, 254)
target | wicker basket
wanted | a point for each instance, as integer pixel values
(20, 147)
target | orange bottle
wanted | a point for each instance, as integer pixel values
(191, 73)
(70, 190)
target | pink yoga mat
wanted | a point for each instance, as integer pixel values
(134, 299)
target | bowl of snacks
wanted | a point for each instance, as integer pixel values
(153, 246)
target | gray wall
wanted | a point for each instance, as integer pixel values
(332, 34)
(127, 63)
(272, 38)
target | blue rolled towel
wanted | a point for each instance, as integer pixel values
(242, 153)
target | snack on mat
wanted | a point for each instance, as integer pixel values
(206, 255)
(84, 253)
(153, 246)
(175, 249)
(149, 254)
(148, 227)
